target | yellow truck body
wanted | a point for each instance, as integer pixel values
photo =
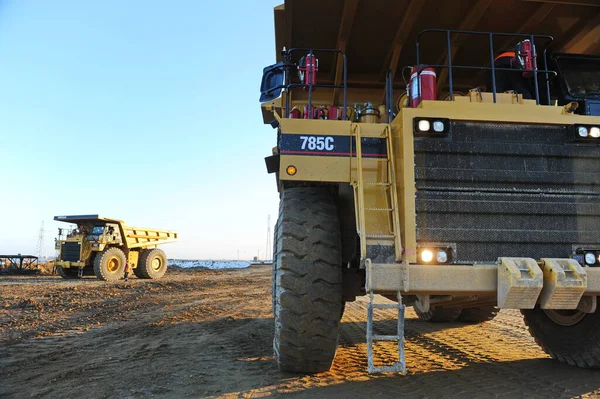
(80, 249)
(483, 196)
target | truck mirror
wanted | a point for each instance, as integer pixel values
(272, 82)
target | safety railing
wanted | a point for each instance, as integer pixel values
(491, 35)
(288, 86)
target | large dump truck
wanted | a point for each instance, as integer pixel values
(100, 246)
(443, 154)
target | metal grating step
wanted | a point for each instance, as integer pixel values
(400, 365)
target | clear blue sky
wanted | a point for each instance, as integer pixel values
(142, 110)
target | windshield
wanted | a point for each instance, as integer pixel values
(97, 230)
(582, 76)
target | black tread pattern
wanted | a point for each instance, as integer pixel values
(145, 264)
(100, 264)
(273, 280)
(577, 345)
(308, 281)
(138, 269)
(478, 315)
(438, 314)
(69, 273)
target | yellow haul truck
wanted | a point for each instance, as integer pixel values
(101, 246)
(454, 170)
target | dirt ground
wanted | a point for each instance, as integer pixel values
(209, 333)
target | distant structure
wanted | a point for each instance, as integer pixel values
(19, 264)
(40, 245)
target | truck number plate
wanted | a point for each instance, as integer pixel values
(318, 143)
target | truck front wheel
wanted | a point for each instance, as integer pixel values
(307, 281)
(109, 265)
(569, 336)
(68, 273)
(152, 264)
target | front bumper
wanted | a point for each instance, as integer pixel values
(66, 265)
(517, 283)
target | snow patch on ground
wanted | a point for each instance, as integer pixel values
(211, 264)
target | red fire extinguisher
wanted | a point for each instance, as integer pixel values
(307, 69)
(426, 90)
(295, 113)
(525, 54)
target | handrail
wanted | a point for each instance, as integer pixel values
(491, 36)
(287, 55)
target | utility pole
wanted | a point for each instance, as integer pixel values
(39, 252)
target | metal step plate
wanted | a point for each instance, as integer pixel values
(520, 281)
(565, 281)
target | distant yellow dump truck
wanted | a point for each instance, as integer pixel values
(103, 245)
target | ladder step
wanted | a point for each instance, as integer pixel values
(400, 365)
(381, 235)
(377, 184)
(379, 209)
(386, 338)
(384, 305)
(397, 367)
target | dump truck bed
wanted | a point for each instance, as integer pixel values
(135, 237)
(379, 35)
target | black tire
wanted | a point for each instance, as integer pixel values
(308, 281)
(438, 314)
(478, 315)
(137, 270)
(68, 273)
(273, 280)
(109, 265)
(577, 344)
(152, 264)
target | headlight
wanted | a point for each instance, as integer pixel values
(431, 127)
(439, 127)
(442, 257)
(426, 256)
(435, 255)
(590, 258)
(424, 125)
(586, 133)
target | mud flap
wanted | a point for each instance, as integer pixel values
(565, 282)
(520, 281)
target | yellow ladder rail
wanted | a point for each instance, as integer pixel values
(393, 197)
(360, 194)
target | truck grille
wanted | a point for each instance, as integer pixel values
(500, 189)
(70, 252)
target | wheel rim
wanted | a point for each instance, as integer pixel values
(156, 264)
(565, 317)
(113, 264)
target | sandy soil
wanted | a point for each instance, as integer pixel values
(209, 333)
